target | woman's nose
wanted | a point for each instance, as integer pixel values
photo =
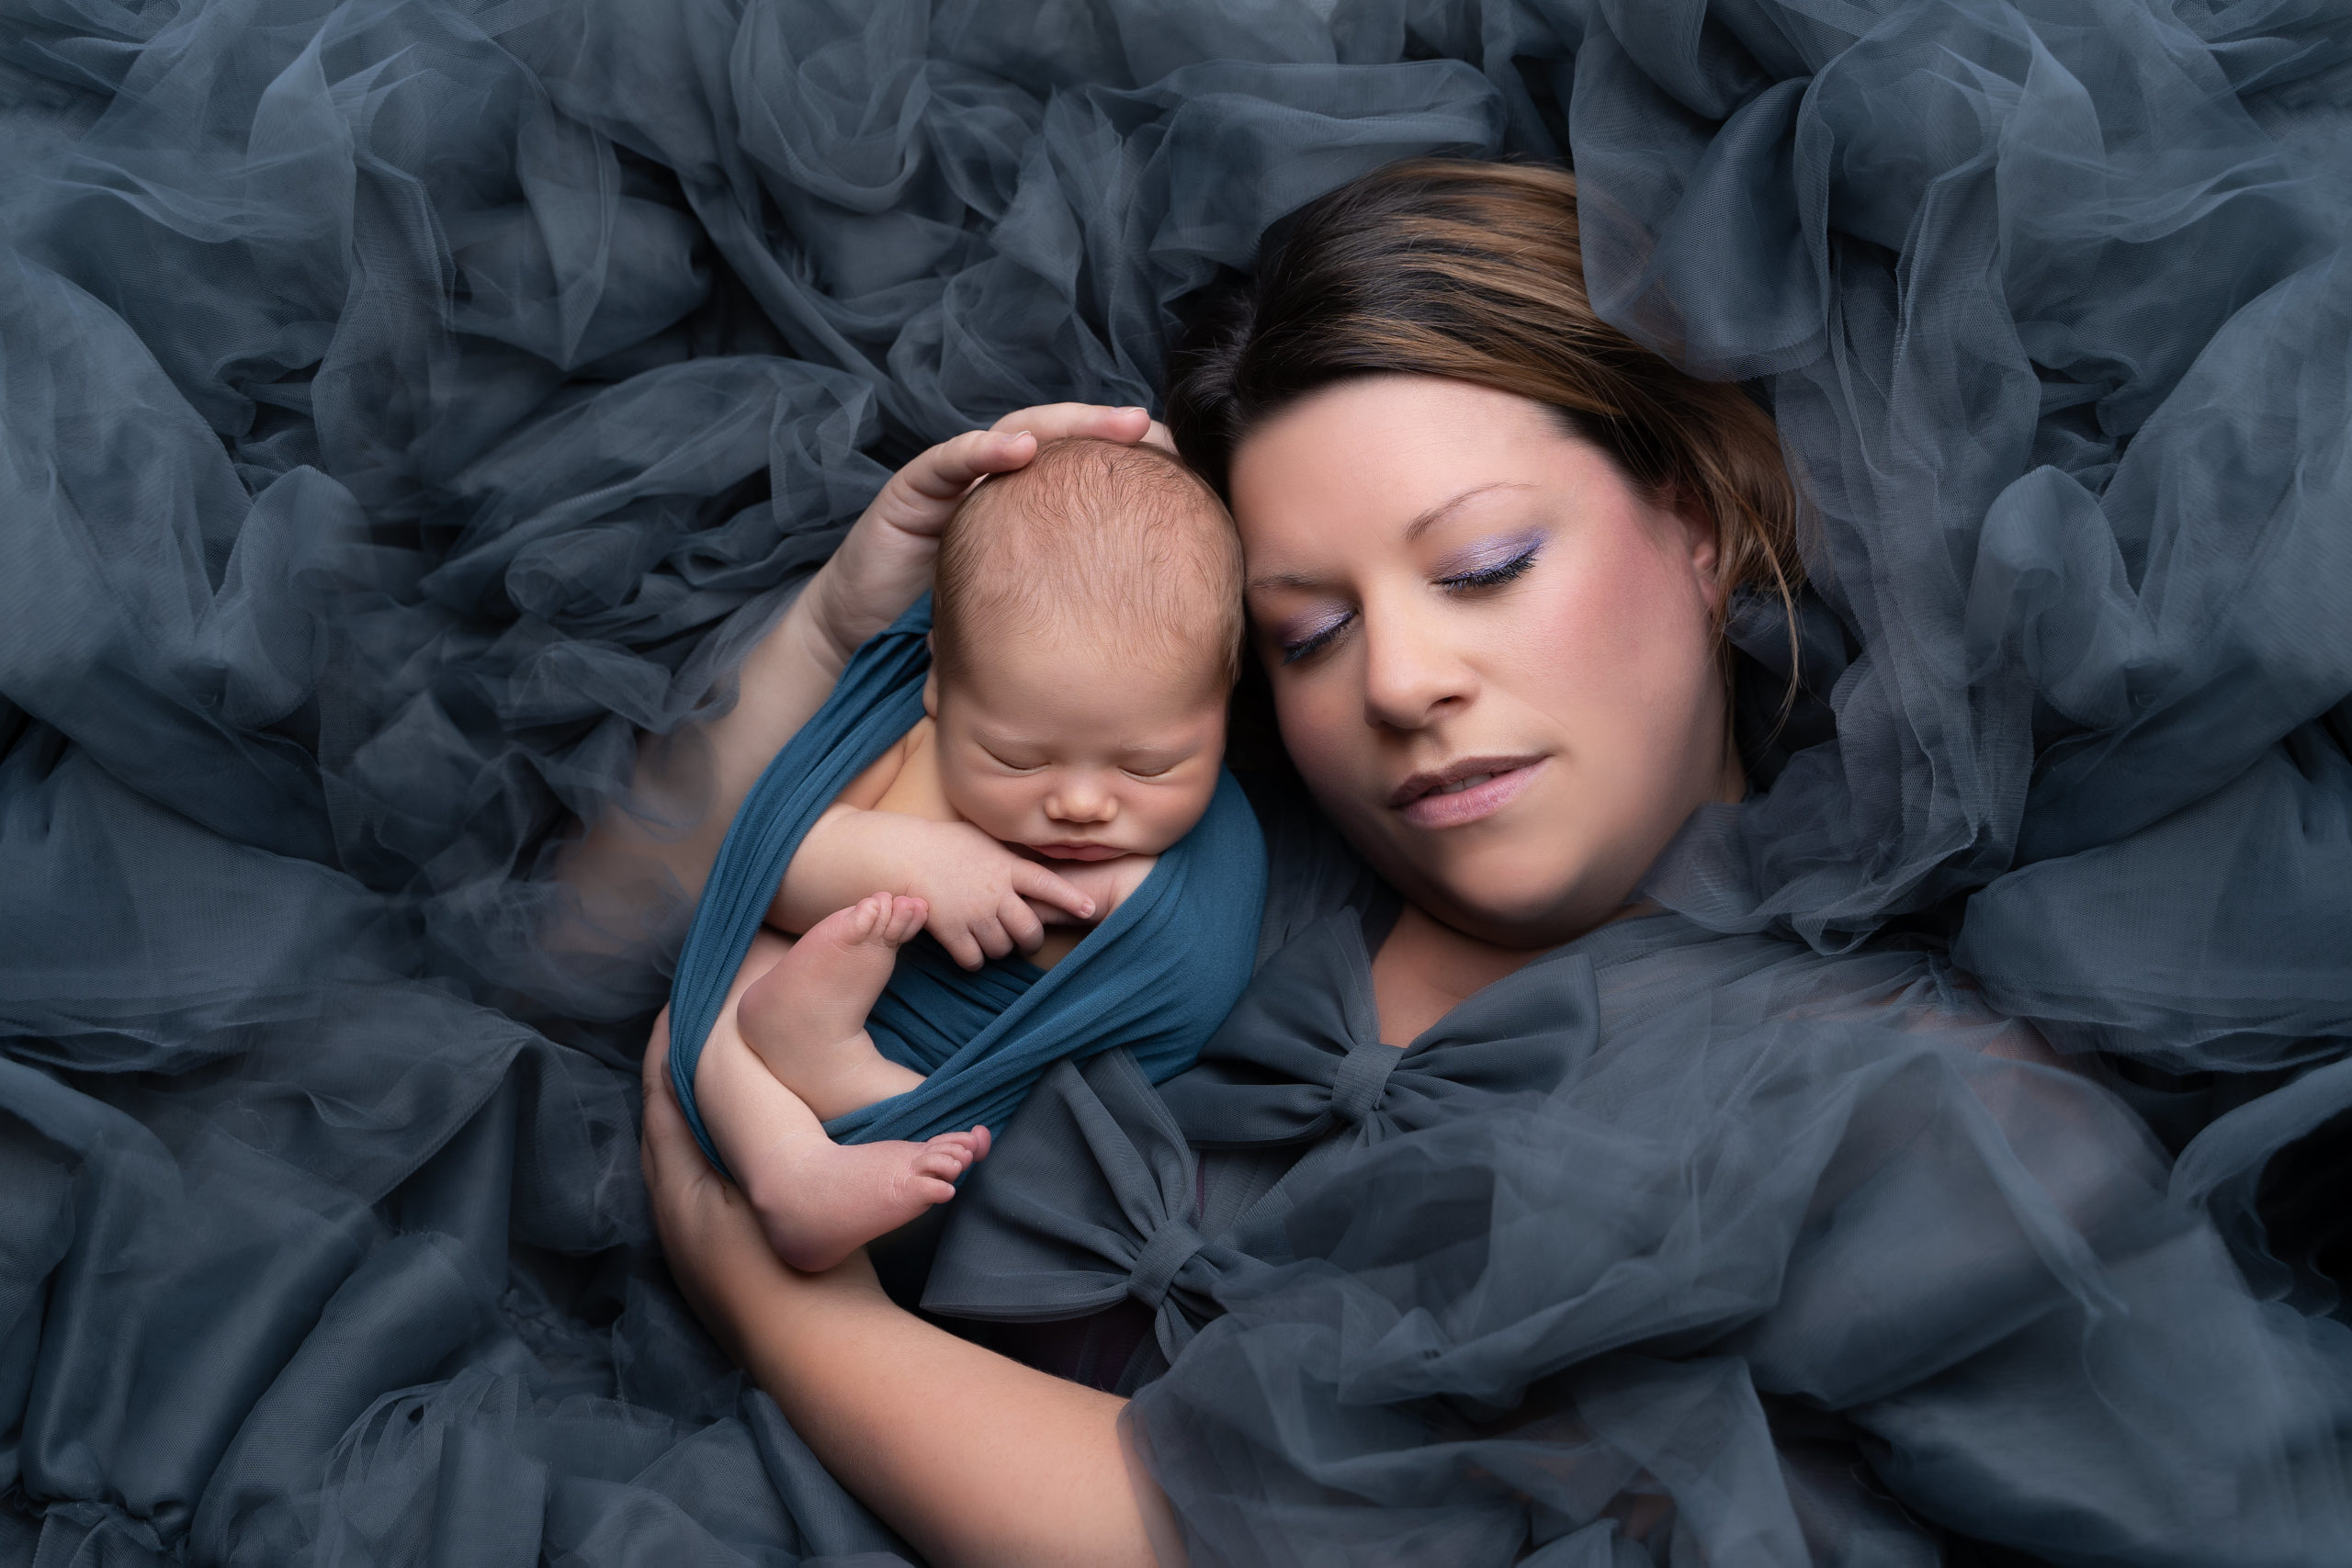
(1411, 676)
(1081, 797)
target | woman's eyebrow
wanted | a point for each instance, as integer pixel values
(1444, 509)
(1413, 530)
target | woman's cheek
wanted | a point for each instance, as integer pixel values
(1324, 733)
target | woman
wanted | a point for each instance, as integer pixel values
(1672, 1291)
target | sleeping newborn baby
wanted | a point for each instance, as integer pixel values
(1086, 635)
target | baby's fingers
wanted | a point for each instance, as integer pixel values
(960, 942)
(1034, 881)
(1020, 923)
(992, 937)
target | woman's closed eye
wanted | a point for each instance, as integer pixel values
(1494, 574)
(1304, 640)
(1301, 641)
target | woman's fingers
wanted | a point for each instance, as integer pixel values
(665, 1124)
(695, 1214)
(1034, 881)
(1052, 421)
(885, 563)
(918, 498)
(676, 1175)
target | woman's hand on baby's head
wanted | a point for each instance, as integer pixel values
(885, 563)
(981, 895)
(1053, 422)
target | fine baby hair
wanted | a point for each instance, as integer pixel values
(1125, 542)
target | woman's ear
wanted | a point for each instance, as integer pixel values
(1703, 542)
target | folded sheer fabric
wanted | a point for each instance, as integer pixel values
(1154, 978)
(1811, 1249)
(1051, 1234)
(406, 404)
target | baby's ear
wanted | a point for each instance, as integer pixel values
(930, 693)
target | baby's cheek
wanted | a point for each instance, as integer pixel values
(994, 805)
(1184, 811)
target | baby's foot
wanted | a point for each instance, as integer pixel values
(832, 1199)
(806, 1017)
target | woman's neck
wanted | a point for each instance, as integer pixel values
(1426, 968)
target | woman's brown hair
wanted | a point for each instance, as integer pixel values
(1472, 271)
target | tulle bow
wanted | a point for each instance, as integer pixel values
(1086, 1202)
(1300, 1057)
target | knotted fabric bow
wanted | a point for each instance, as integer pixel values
(1085, 1202)
(1094, 1194)
(1300, 1057)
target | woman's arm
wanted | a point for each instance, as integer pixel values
(700, 775)
(975, 1458)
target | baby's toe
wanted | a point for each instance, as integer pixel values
(907, 916)
(967, 1147)
(946, 1164)
(934, 1190)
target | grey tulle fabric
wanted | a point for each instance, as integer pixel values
(405, 405)
(1099, 1197)
(1815, 1250)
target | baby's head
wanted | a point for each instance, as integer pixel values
(1086, 635)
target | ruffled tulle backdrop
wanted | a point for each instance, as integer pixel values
(404, 404)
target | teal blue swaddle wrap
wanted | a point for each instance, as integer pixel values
(1157, 976)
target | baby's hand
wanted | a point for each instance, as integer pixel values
(980, 893)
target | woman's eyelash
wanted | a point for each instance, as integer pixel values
(1492, 576)
(1294, 651)
(1484, 577)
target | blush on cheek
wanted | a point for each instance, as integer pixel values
(1631, 632)
(1327, 741)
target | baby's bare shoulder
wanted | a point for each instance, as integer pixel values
(905, 778)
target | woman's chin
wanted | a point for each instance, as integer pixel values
(1510, 908)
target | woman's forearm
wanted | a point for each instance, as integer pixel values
(975, 1458)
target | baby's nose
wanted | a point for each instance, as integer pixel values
(1081, 800)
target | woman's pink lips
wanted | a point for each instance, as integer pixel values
(1435, 810)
